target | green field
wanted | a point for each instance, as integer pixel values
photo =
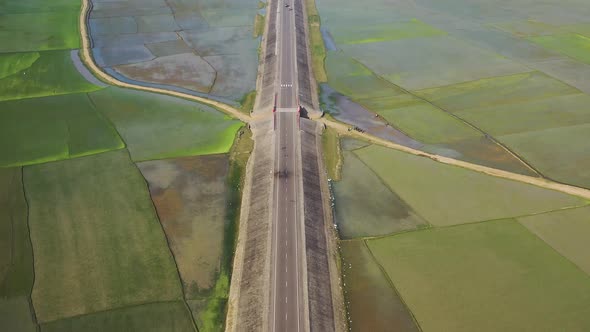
(420, 63)
(559, 153)
(51, 74)
(429, 124)
(448, 195)
(16, 255)
(566, 231)
(156, 126)
(97, 241)
(38, 31)
(372, 303)
(353, 79)
(496, 91)
(13, 63)
(33, 6)
(45, 129)
(493, 276)
(573, 45)
(151, 317)
(531, 115)
(332, 153)
(365, 206)
(385, 32)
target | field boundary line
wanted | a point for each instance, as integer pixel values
(431, 227)
(139, 304)
(30, 297)
(392, 285)
(392, 191)
(88, 61)
(536, 181)
(576, 266)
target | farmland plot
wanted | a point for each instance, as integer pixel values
(495, 269)
(52, 73)
(97, 241)
(433, 189)
(150, 317)
(33, 25)
(365, 206)
(156, 126)
(190, 198)
(36, 130)
(566, 231)
(16, 254)
(372, 302)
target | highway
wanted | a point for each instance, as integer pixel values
(287, 298)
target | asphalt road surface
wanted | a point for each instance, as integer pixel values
(287, 302)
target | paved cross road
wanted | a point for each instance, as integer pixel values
(287, 302)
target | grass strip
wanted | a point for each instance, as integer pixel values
(318, 50)
(258, 26)
(332, 153)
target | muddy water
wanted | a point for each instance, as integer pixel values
(345, 110)
(329, 42)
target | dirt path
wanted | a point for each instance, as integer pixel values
(88, 60)
(539, 182)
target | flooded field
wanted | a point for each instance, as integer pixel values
(207, 48)
(565, 231)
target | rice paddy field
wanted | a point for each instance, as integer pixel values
(501, 85)
(35, 130)
(156, 126)
(207, 48)
(365, 206)
(16, 255)
(495, 270)
(40, 74)
(475, 247)
(461, 81)
(32, 25)
(93, 223)
(117, 207)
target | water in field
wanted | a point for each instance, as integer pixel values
(345, 110)
(206, 47)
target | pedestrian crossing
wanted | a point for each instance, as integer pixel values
(287, 85)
